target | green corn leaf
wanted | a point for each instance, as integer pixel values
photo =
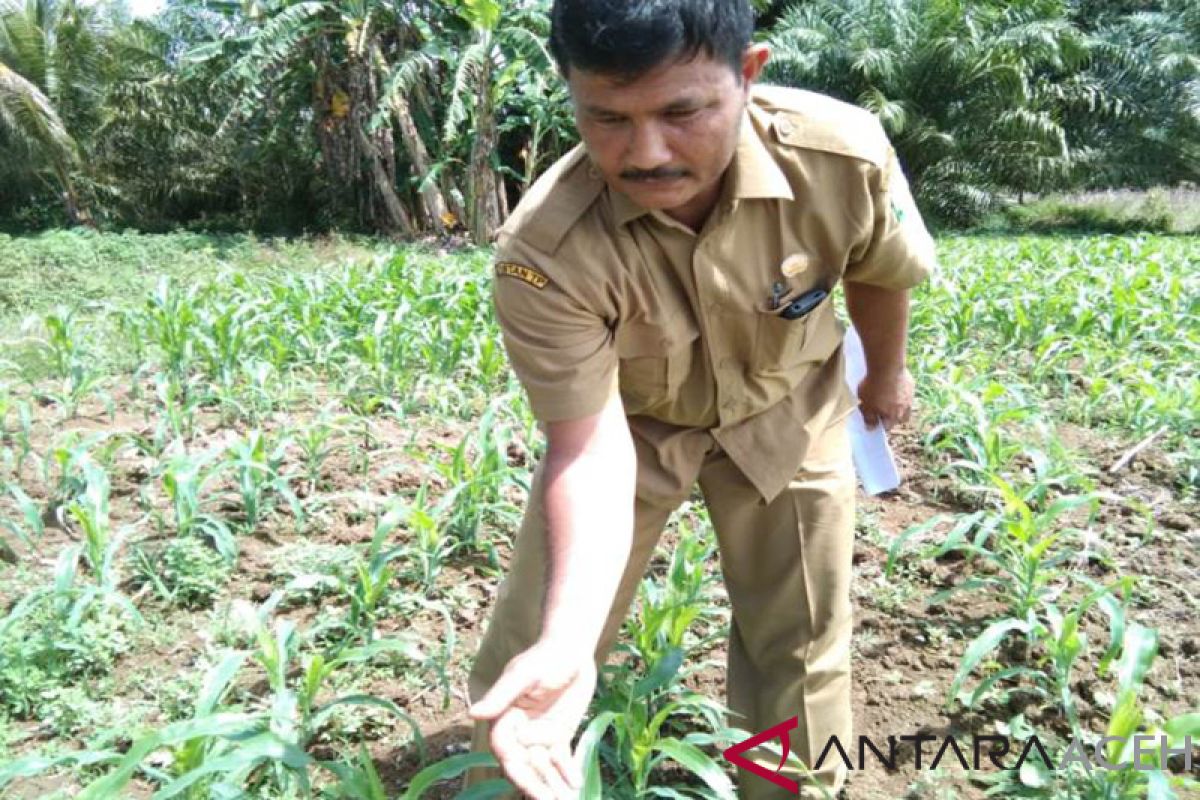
(699, 764)
(1138, 653)
(1159, 787)
(264, 747)
(30, 766)
(444, 770)
(666, 669)
(106, 787)
(488, 790)
(1182, 726)
(322, 713)
(990, 681)
(588, 750)
(898, 545)
(983, 644)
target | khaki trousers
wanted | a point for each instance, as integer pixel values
(787, 567)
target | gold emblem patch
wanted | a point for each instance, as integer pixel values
(523, 273)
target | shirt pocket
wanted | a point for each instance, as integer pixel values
(782, 345)
(655, 358)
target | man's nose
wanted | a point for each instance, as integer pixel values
(648, 149)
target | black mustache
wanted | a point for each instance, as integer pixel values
(652, 174)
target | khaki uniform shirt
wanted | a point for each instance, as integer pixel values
(596, 295)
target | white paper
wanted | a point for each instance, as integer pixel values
(872, 456)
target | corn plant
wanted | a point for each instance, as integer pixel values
(30, 528)
(21, 434)
(185, 479)
(90, 511)
(368, 587)
(479, 473)
(431, 547)
(640, 718)
(258, 747)
(178, 402)
(226, 336)
(630, 735)
(63, 468)
(1137, 648)
(667, 611)
(168, 320)
(1025, 547)
(70, 365)
(317, 442)
(257, 470)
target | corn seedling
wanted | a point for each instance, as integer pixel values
(257, 471)
(667, 611)
(63, 468)
(30, 528)
(178, 404)
(479, 472)
(168, 320)
(185, 479)
(317, 441)
(1025, 547)
(368, 587)
(69, 364)
(431, 547)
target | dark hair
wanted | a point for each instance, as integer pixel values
(629, 37)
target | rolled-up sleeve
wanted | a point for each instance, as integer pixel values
(900, 253)
(562, 353)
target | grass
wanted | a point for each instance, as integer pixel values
(1116, 211)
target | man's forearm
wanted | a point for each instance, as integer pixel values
(589, 517)
(881, 318)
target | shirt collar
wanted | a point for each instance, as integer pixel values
(754, 173)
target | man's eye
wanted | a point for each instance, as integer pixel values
(682, 113)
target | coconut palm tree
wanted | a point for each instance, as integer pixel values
(52, 55)
(31, 127)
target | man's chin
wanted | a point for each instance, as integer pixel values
(658, 195)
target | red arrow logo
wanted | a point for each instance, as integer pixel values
(734, 754)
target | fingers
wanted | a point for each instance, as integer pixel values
(543, 771)
(568, 765)
(552, 778)
(517, 680)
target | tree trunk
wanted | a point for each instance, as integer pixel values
(382, 181)
(433, 204)
(398, 220)
(485, 211)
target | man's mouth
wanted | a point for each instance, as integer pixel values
(656, 178)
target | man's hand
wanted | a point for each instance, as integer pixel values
(887, 398)
(536, 706)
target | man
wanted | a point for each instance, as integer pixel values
(658, 295)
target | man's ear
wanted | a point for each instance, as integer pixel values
(753, 60)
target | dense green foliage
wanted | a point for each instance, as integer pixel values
(430, 115)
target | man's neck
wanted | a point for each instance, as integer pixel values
(695, 212)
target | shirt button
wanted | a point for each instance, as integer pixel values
(785, 126)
